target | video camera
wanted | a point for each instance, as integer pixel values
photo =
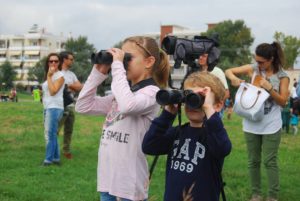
(104, 57)
(187, 51)
(168, 97)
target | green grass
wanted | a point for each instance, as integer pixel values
(22, 148)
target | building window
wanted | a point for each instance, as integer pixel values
(2, 44)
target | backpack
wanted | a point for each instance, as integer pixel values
(67, 96)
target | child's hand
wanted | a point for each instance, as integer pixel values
(208, 105)
(236, 82)
(265, 84)
(208, 94)
(172, 108)
(118, 54)
(51, 71)
(102, 68)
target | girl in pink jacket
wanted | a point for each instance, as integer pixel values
(122, 166)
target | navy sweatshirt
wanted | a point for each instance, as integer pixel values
(195, 156)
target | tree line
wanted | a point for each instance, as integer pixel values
(235, 40)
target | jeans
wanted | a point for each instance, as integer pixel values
(67, 121)
(267, 146)
(51, 119)
(105, 196)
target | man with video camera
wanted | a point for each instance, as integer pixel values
(200, 54)
(73, 85)
(218, 72)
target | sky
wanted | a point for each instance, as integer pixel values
(107, 22)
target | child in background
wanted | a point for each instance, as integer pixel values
(229, 107)
(196, 154)
(294, 116)
(285, 116)
(294, 122)
(122, 166)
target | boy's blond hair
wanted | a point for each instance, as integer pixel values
(206, 79)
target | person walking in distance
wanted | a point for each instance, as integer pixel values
(73, 85)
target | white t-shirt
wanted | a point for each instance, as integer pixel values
(272, 121)
(69, 76)
(55, 101)
(218, 72)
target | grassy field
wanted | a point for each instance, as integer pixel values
(22, 148)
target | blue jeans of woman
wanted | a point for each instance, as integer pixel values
(105, 196)
(51, 119)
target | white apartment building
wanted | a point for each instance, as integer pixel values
(25, 50)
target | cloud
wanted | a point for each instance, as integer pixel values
(107, 22)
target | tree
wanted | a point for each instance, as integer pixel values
(290, 46)
(118, 44)
(82, 53)
(82, 66)
(37, 72)
(7, 75)
(235, 40)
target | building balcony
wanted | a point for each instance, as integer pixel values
(35, 48)
(15, 48)
(15, 59)
(16, 63)
(2, 59)
(34, 60)
(60, 50)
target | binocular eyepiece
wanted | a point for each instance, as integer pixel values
(104, 57)
(169, 97)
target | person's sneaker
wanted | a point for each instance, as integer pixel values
(256, 198)
(68, 155)
(56, 163)
(45, 164)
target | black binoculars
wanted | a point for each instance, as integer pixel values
(104, 57)
(169, 97)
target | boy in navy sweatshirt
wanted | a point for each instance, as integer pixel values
(196, 150)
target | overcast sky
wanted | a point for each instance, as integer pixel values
(106, 22)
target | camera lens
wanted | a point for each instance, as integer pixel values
(126, 60)
(104, 57)
(168, 97)
(169, 43)
(194, 101)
